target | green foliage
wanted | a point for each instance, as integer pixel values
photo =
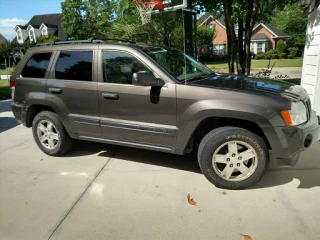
(47, 38)
(291, 56)
(283, 55)
(83, 19)
(6, 50)
(293, 51)
(268, 56)
(274, 56)
(258, 57)
(205, 36)
(281, 47)
(292, 20)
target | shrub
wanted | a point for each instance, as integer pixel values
(268, 56)
(291, 56)
(274, 56)
(273, 52)
(258, 57)
(283, 55)
(281, 47)
(293, 51)
(260, 53)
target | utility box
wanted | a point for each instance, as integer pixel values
(311, 62)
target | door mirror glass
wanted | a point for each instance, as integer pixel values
(146, 79)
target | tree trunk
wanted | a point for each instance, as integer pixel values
(231, 36)
(253, 8)
(241, 63)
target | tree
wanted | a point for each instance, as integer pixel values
(244, 14)
(6, 50)
(205, 36)
(83, 19)
(293, 21)
(281, 47)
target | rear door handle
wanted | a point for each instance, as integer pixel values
(111, 96)
(55, 90)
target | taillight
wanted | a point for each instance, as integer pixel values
(12, 88)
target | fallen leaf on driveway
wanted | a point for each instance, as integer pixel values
(224, 193)
(190, 200)
(86, 178)
(246, 237)
(25, 203)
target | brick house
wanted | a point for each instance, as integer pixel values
(264, 35)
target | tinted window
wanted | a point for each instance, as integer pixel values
(118, 67)
(74, 65)
(36, 66)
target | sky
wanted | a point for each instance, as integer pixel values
(19, 12)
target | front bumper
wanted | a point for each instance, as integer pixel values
(288, 142)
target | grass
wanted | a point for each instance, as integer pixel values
(259, 64)
(4, 89)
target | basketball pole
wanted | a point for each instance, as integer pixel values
(188, 29)
(190, 18)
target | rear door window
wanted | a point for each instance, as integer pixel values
(36, 66)
(74, 65)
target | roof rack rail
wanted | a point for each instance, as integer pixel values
(90, 40)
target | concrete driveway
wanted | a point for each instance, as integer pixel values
(106, 192)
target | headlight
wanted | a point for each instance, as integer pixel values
(297, 115)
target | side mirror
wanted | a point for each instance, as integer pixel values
(146, 79)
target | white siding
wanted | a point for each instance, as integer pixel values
(311, 61)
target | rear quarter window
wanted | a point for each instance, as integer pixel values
(36, 66)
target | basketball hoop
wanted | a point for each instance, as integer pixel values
(145, 9)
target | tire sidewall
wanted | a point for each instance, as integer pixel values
(214, 142)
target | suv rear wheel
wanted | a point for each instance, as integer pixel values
(50, 135)
(233, 158)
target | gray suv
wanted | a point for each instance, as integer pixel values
(160, 99)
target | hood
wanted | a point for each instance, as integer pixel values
(263, 86)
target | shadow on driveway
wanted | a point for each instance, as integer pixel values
(308, 176)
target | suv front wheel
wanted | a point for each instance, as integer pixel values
(233, 158)
(50, 135)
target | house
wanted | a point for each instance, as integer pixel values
(40, 25)
(264, 36)
(2, 40)
(310, 80)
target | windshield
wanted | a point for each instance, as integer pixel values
(173, 61)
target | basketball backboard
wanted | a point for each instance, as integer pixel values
(171, 5)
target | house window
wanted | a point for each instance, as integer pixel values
(266, 46)
(252, 47)
(260, 47)
(219, 49)
(31, 35)
(44, 31)
(19, 35)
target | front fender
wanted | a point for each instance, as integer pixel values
(201, 110)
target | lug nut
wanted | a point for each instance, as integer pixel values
(238, 164)
(240, 158)
(228, 159)
(231, 165)
(233, 155)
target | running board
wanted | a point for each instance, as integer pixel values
(128, 144)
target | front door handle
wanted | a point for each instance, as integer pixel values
(111, 96)
(55, 90)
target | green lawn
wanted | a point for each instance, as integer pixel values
(258, 64)
(4, 89)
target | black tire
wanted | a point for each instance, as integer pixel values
(216, 138)
(64, 144)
